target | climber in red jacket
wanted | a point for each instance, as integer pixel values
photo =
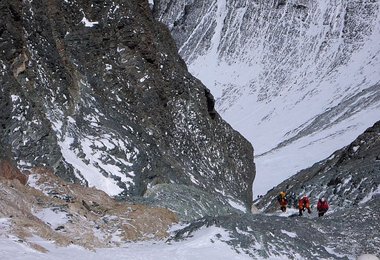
(322, 207)
(303, 204)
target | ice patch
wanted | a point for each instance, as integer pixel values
(144, 78)
(15, 98)
(332, 252)
(87, 23)
(90, 173)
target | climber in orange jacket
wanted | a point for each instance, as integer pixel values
(282, 200)
(303, 204)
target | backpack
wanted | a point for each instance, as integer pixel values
(281, 196)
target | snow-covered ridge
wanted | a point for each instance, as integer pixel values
(298, 78)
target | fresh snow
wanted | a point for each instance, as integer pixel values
(368, 257)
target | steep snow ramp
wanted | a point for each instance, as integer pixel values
(298, 78)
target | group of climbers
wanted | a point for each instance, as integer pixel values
(303, 203)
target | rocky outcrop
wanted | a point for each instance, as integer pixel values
(10, 172)
(97, 93)
(69, 214)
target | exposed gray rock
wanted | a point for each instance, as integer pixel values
(96, 91)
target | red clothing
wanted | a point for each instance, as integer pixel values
(304, 203)
(322, 206)
(283, 202)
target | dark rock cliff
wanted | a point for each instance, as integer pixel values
(96, 91)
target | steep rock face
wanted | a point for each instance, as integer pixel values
(97, 92)
(348, 178)
(298, 78)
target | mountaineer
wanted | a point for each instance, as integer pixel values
(322, 207)
(281, 198)
(303, 204)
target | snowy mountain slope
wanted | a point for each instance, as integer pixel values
(48, 218)
(347, 179)
(297, 78)
(98, 93)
